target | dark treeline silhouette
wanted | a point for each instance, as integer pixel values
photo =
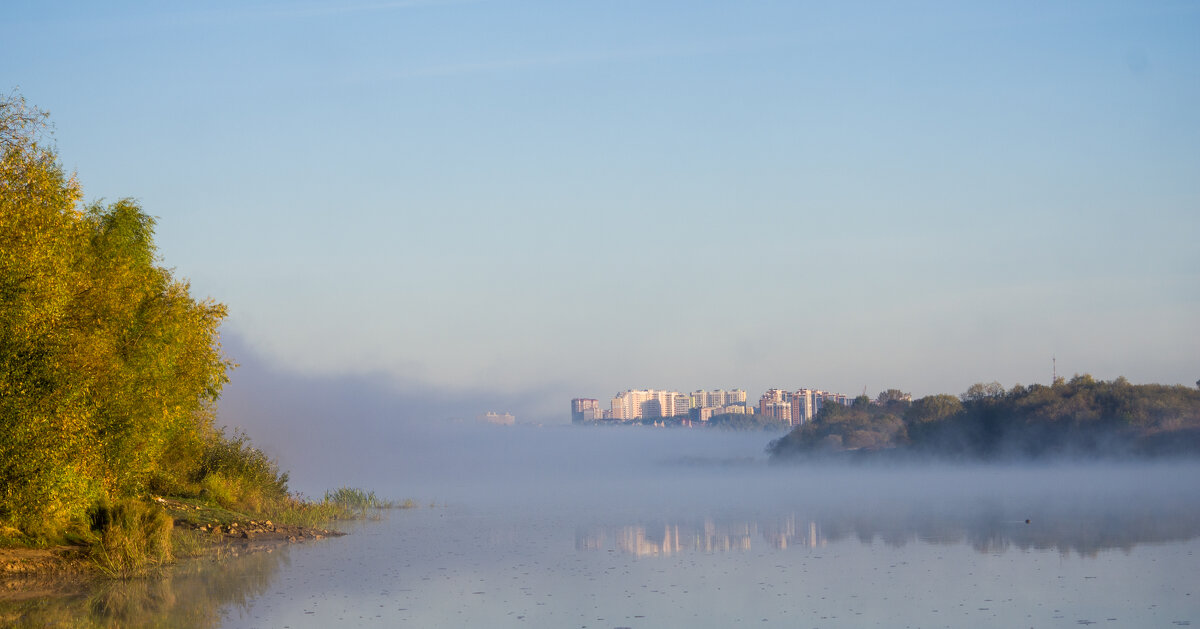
(1080, 417)
(745, 421)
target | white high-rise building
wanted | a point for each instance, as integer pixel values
(639, 403)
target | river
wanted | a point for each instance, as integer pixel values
(573, 527)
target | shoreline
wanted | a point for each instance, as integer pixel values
(65, 570)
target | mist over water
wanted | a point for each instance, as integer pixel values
(607, 526)
(644, 527)
(544, 468)
(565, 526)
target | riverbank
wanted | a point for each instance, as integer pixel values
(199, 531)
(214, 526)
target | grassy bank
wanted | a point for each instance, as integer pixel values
(233, 493)
(140, 536)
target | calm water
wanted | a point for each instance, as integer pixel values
(616, 528)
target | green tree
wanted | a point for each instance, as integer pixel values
(932, 408)
(106, 361)
(893, 396)
(46, 473)
(983, 391)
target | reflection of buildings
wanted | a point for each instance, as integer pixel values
(708, 537)
(1084, 525)
(795, 533)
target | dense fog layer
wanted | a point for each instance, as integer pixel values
(358, 431)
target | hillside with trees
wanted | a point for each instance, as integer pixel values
(1081, 417)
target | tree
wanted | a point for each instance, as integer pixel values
(933, 408)
(108, 366)
(893, 397)
(1083, 416)
(981, 391)
(20, 124)
(45, 471)
(1082, 380)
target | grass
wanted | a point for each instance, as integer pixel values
(132, 536)
(344, 503)
(187, 544)
(223, 479)
(135, 537)
(353, 498)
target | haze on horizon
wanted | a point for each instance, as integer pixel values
(529, 202)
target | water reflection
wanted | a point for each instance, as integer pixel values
(1084, 528)
(193, 595)
(669, 539)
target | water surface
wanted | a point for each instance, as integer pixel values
(641, 528)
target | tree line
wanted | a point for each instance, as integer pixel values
(1079, 417)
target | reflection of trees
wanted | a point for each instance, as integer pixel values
(191, 595)
(1084, 526)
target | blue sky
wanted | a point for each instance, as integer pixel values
(575, 198)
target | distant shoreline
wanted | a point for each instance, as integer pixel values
(1078, 419)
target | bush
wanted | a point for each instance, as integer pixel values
(220, 490)
(236, 475)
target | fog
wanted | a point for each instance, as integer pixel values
(329, 431)
(364, 432)
(368, 431)
(556, 525)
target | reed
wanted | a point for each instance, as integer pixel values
(133, 536)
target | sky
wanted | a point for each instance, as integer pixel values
(501, 205)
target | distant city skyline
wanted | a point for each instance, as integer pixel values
(526, 201)
(791, 408)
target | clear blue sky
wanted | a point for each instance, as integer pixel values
(574, 198)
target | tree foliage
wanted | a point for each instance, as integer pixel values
(108, 365)
(863, 425)
(745, 421)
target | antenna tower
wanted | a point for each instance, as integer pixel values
(1054, 370)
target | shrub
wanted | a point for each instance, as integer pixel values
(235, 474)
(219, 489)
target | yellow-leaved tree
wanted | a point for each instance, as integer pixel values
(108, 366)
